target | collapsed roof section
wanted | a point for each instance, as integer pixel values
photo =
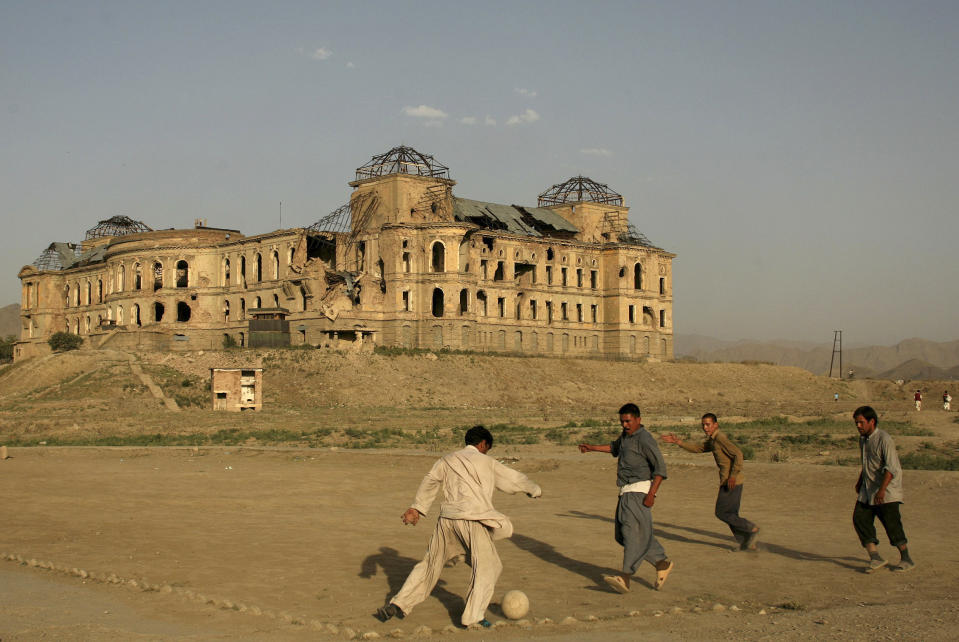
(579, 189)
(117, 226)
(515, 219)
(57, 256)
(403, 160)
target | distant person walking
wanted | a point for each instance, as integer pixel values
(946, 400)
(835, 396)
(879, 489)
(918, 398)
(468, 524)
(640, 470)
(729, 459)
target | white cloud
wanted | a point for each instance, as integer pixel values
(425, 111)
(529, 93)
(596, 151)
(350, 65)
(489, 121)
(433, 123)
(468, 120)
(321, 54)
(528, 116)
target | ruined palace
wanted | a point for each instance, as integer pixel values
(404, 263)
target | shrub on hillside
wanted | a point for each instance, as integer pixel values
(6, 348)
(63, 341)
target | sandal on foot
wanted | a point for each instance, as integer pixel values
(661, 575)
(616, 583)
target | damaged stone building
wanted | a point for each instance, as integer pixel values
(404, 263)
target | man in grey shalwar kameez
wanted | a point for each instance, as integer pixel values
(468, 524)
(639, 472)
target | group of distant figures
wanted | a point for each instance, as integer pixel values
(946, 400)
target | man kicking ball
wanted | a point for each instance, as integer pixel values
(468, 524)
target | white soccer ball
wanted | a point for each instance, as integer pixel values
(515, 604)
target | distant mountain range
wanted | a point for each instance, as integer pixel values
(909, 359)
(10, 320)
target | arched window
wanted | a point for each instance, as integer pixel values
(76, 295)
(638, 276)
(438, 302)
(76, 326)
(66, 296)
(439, 257)
(119, 315)
(121, 278)
(256, 303)
(289, 256)
(157, 275)
(86, 323)
(226, 309)
(135, 315)
(258, 268)
(276, 300)
(157, 312)
(243, 271)
(303, 297)
(242, 308)
(89, 297)
(182, 274)
(464, 301)
(226, 271)
(99, 291)
(137, 277)
(182, 312)
(276, 265)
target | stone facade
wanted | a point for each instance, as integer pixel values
(406, 263)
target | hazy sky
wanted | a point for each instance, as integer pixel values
(801, 159)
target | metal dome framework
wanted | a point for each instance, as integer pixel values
(403, 160)
(117, 226)
(579, 189)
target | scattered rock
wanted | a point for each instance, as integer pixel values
(762, 612)
(422, 630)
(371, 635)
(634, 613)
(591, 618)
(675, 610)
(734, 608)
(569, 620)
(544, 620)
(718, 607)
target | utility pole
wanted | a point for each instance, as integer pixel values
(836, 349)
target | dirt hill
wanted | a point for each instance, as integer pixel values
(83, 392)
(10, 320)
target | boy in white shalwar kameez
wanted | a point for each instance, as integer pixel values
(468, 524)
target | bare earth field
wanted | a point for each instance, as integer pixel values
(291, 542)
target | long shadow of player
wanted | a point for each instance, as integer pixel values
(724, 543)
(548, 553)
(396, 568)
(845, 562)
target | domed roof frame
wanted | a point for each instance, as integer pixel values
(403, 160)
(117, 226)
(579, 189)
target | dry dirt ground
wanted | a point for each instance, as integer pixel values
(299, 544)
(296, 543)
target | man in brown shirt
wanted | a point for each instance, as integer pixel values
(729, 459)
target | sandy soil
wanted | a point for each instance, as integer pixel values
(228, 543)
